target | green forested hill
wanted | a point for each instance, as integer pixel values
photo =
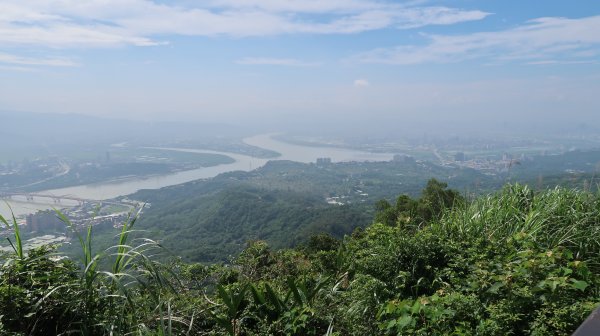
(216, 226)
(375, 179)
(283, 203)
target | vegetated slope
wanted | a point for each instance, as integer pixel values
(512, 263)
(575, 161)
(515, 262)
(376, 179)
(217, 226)
(282, 203)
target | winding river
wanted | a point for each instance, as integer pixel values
(107, 190)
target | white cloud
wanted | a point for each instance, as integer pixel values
(361, 83)
(66, 36)
(101, 23)
(539, 39)
(17, 68)
(19, 60)
(424, 16)
(300, 6)
(552, 62)
(275, 61)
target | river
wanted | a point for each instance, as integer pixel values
(107, 190)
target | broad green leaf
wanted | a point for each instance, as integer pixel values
(579, 284)
(495, 287)
(404, 321)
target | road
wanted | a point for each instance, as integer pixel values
(65, 170)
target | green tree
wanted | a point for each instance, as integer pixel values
(435, 198)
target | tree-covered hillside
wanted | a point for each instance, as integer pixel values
(516, 262)
(217, 226)
(283, 203)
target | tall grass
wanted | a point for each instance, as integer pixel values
(113, 291)
(117, 290)
(17, 233)
(550, 218)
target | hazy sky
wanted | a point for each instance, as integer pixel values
(221, 60)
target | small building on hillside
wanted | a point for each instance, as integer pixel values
(403, 158)
(460, 157)
(323, 161)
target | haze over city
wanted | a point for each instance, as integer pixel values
(250, 62)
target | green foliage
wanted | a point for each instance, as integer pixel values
(556, 217)
(37, 294)
(435, 199)
(233, 301)
(284, 203)
(517, 263)
(513, 263)
(215, 226)
(42, 293)
(18, 240)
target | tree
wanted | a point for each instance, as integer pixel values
(435, 198)
(386, 214)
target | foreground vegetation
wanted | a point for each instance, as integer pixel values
(513, 263)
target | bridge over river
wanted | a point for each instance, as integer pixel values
(40, 197)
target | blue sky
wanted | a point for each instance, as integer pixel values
(239, 60)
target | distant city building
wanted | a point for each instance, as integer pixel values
(323, 161)
(460, 157)
(403, 158)
(44, 221)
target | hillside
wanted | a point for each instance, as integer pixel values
(282, 203)
(217, 226)
(515, 262)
